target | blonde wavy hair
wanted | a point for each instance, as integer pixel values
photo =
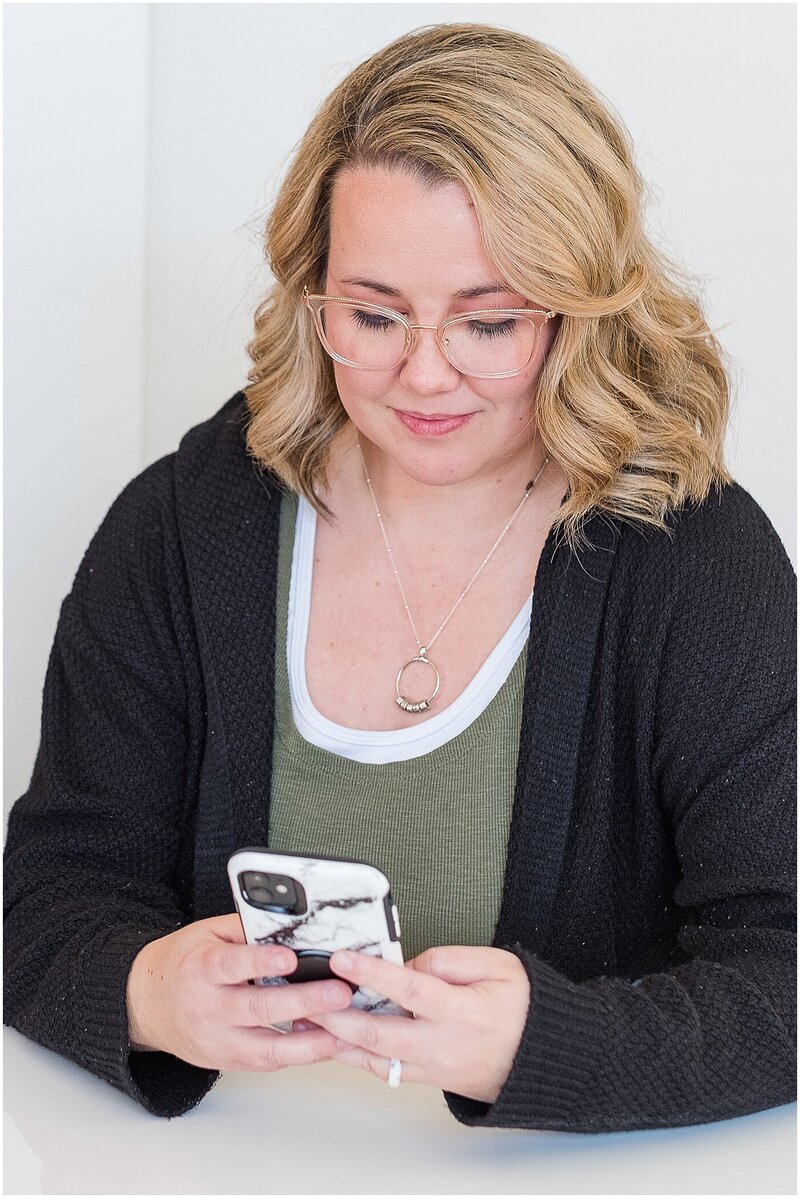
(633, 399)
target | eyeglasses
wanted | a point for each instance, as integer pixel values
(491, 343)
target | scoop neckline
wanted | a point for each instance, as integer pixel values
(305, 526)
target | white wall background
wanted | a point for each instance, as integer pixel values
(143, 144)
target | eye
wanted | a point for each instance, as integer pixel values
(486, 330)
(371, 320)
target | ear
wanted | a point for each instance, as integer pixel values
(550, 332)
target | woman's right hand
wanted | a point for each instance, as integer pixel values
(188, 995)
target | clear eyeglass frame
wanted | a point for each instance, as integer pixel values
(315, 303)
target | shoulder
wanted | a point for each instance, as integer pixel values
(729, 517)
(214, 468)
(210, 471)
(725, 541)
(710, 606)
(221, 435)
(716, 584)
(143, 522)
(135, 522)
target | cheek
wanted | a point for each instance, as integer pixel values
(510, 398)
(517, 396)
(358, 387)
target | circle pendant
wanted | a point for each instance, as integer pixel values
(424, 704)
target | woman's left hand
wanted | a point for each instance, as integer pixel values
(470, 1007)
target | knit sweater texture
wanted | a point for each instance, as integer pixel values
(649, 888)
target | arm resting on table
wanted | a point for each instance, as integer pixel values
(92, 854)
(714, 1036)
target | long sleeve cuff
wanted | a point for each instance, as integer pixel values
(693, 1045)
(557, 1055)
(162, 1083)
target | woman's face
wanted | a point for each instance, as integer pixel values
(425, 246)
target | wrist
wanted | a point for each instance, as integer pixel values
(140, 1038)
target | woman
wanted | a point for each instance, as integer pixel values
(459, 585)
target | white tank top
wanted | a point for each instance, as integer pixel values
(394, 745)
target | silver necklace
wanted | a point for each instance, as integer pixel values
(424, 704)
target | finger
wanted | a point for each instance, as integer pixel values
(226, 927)
(265, 1051)
(357, 1058)
(383, 1035)
(259, 1006)
(418, 992)
(461, 965)
(232, 964)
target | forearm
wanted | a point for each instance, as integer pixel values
(690, 1045)
(66, 974)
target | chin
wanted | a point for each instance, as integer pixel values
(435, 461)
(440, 470)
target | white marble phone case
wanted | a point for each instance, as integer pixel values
(349, 906)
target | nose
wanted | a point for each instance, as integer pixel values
(426, 370)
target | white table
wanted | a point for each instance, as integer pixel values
(327, 1129)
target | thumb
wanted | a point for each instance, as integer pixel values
(461, 965)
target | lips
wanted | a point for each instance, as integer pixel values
(433, 424)
(436, 415)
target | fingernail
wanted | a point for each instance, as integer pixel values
(344, 960)
(302, 1025)
(333, 994)
(282, 960)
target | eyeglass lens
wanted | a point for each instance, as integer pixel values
(487, 344)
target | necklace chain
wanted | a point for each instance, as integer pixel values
(423, 649)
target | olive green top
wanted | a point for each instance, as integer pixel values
(437, 825)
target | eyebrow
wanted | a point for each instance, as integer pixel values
(464, 293)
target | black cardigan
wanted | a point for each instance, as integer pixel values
(649, 889)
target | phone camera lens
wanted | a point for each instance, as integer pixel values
(272, 892)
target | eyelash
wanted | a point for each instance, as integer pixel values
(370, 320)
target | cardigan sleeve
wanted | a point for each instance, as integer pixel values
(711, 1035)
(92, 859)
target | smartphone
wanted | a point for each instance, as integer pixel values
(316, 906)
